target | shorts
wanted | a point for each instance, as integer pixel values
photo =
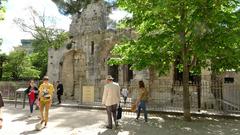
(44, 102)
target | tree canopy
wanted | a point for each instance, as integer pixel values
(18, 66)
(201, 33)
(45, 36)
(71, 7)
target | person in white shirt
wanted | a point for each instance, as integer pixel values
(111, 97)
(124, 94)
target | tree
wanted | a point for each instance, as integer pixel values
(45, 37)
(19, 66)
(2, 9)
(3, 59)
(72, 7)
(202, 33)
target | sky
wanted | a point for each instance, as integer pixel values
(12, 34)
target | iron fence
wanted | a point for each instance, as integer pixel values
(8, 88)
(216, 97)
(212, 97)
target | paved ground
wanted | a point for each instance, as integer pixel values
(73, 121)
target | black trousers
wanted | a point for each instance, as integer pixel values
(59, 98)
(111, 112)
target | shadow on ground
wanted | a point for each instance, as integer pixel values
(72, 121)
(30, 132)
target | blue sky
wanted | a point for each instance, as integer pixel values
(12, 34)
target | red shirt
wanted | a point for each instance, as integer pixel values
(31, 95)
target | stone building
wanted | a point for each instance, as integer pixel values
(26, 45)
(83, 62)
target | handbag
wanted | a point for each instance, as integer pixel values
(119, 112)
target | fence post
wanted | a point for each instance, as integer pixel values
(24, 98)
(15, 93)
(199, 96)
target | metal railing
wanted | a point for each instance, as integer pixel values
(212, 97)
(8, 88)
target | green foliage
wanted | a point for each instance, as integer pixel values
(45, 37)
(3, 59)
(200, 33)
(210, 32)
(2, 9)
(71, 7)
(19, 66)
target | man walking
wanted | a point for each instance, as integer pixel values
(111, 97)
(59, 91)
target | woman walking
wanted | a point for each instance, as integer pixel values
(45, 94)
(32, 92)
(141, 100)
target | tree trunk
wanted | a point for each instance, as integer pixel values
(151, 79)
(185, 61)
(186, 101)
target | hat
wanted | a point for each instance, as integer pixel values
(45, 78)
(109, 77)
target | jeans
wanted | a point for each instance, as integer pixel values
(31, 104)
(142, 105)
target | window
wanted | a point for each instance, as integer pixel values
(228, 80)
(92, 47)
